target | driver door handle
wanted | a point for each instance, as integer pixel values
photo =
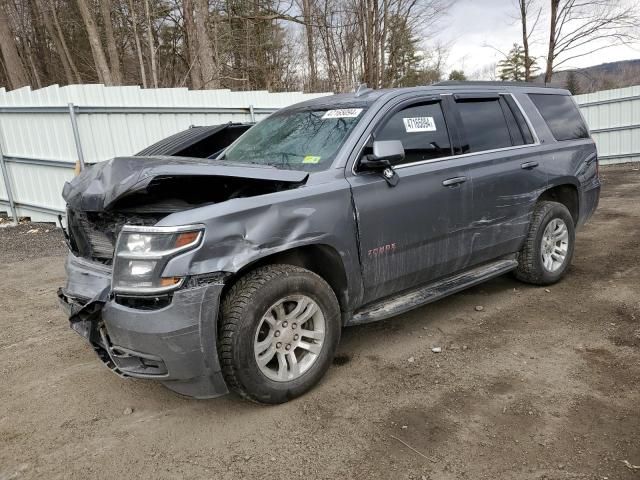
(529, 165)
(450, 182)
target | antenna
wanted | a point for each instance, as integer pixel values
(362, 89)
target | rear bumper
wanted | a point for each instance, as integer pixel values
(175, 345)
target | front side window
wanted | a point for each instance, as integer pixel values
(296, 139)
(485, 125)
(422, 131)
(562, 116)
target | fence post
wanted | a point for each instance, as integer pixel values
(7, 183)
(252, 113)
(76, 134)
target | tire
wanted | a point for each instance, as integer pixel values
(251, 316)
(531, 259)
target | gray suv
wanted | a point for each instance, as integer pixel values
(231, 257)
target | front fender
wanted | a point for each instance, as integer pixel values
(242, 231)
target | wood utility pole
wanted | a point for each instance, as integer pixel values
(99, 58)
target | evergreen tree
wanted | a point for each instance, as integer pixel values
(457, 75)
(513, 67)
(572, 83)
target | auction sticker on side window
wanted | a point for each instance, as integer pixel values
(342, 113)
(419, 124)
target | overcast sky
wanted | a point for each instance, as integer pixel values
(474, 26)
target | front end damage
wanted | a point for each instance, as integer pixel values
(171, 338)
(167, 335)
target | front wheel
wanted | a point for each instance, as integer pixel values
(548, 249)
(280, 330)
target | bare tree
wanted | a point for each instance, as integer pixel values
(16, 72)
(208, 64)
(152, 48)
(99, 58)
(526, 9)
(582, 27)
(195, 73)
(136, 37)
(307, 13)
(114, 61)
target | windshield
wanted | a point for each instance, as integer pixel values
(298, 140)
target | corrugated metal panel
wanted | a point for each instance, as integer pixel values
(35, 127)
(614, 119)
(116, 121)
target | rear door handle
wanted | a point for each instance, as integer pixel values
(528, 165)
(450, 182)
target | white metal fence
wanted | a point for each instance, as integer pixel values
(44, 132)
(614, 119)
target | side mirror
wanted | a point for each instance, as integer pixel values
(385, 154)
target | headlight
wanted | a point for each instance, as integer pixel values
(142, 253)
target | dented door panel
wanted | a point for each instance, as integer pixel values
(414, 232)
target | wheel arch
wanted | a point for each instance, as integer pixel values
(322, 259)
(566, 194)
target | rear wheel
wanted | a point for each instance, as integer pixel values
(280, 330)
(548, 249)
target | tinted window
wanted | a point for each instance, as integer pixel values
(562, 116)
(522, 123)
(484, 124)
(422, 130)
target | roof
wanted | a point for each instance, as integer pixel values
(367, 97)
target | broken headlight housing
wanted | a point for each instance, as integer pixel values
(142, 253)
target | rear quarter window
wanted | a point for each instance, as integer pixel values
(562, 116)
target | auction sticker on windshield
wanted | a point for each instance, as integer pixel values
(419, 124)
(342, 113)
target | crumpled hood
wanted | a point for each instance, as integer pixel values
(99, 186)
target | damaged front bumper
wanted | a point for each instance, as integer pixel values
(174, 342)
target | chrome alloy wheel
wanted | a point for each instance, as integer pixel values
(555, 245)
(289, 338)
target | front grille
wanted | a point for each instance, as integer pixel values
(93, 235)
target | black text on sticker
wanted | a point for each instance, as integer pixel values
(419, 124)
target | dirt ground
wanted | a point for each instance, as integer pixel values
(539, 384)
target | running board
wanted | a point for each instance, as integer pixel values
(406, 301)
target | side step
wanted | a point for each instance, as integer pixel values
(411, 299)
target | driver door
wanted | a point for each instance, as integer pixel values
(414, 232)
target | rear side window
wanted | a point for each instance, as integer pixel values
(485, 125)
(562, 116)
(422, 130)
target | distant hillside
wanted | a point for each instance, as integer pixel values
(598, 77)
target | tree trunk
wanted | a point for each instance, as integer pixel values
(97, 51)
(152, 48)
(51, 30)
(63, 42)
(114, 59)
(552, 41)
(525, 40)
(134, 22)
(16, 71)
(308, 20)
(195, 73)
(210, 77)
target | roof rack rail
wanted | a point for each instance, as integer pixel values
(489, 83)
